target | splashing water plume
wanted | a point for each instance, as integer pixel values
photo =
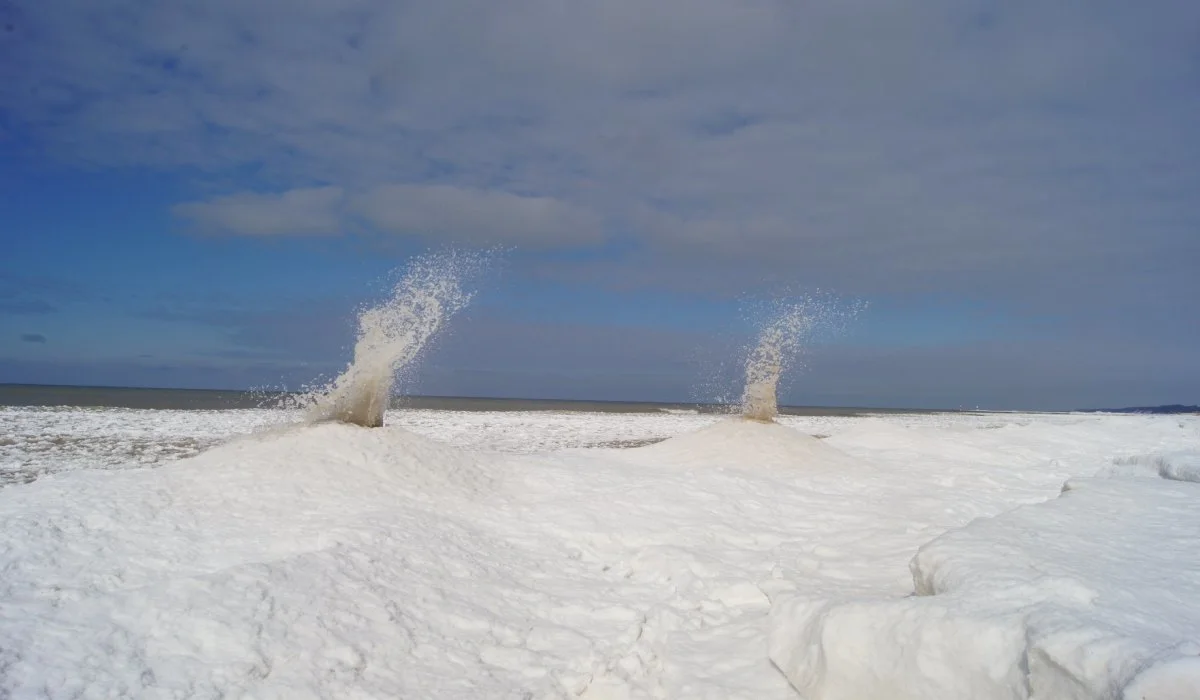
(779, 345)
(392, 335)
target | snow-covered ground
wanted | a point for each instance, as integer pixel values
(535, 555)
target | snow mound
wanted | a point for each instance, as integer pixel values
(1089, 596)
(339, 562)
(309, 562)
(256, 498)
(1183, 465)
(738, 442)
(329, 454)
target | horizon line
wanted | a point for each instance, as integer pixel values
(578, 400)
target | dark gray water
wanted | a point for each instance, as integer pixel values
(121, 397)
(203, 399)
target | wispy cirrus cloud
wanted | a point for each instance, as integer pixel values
(26, 307)
(482, 217)
(24, 294)
(307, 211)
(437, 212)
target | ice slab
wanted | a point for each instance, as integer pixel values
(1093, 595)
(1180, 465)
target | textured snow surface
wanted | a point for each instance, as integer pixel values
(1091, 595)
(468, 555)
(1183, 465)
(48, 440)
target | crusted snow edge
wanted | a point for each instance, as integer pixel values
(1005, 608)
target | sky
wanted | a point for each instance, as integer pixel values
(201, 194)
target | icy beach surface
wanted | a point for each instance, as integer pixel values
(467, 555)
(1091, 595)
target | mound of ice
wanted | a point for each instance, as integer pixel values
(1183, 465)
(740, 442)
(1090, 596)
(264, 496)
(315, 561)
(335, 561)
(390, 459)
(259, 497)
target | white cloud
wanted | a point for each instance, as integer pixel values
(1035, 147)
(436, 212)
(310, 211)
(477, 216)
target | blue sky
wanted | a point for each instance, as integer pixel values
(200, 194)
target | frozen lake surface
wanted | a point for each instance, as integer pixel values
(159, 553)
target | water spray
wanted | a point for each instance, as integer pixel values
(392, 335)
(779, 346)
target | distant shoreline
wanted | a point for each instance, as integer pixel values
(61, 395)
(162, 398)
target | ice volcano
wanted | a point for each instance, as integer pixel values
(754, 438)
(741, 442)
(777, 345)
(780, 343)
(392, 335)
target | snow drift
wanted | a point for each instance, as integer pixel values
(336, 561)
(1182, 465)
(747, 443)
(1080, 598)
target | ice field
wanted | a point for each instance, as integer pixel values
(539, 555)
